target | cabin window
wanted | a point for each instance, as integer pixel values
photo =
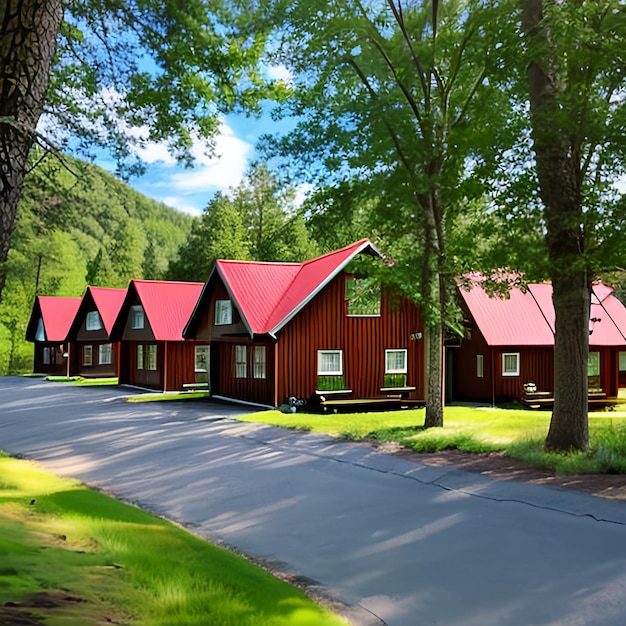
(594, 382)
(223, 312)
(241, 362)
(395, 361)
(40, 335)
(136, 317)
(395, 368)
(480, 366)
(87, 355)
(201, 358)
(330, 362)
(151, 357)
(622, 361)
(105, 354)
(139, 357)
(362, 296)
(510, 364)
(259, 362)
(46, 356)
(93, 321)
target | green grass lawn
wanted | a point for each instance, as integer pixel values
(84, 382)
(520, 433)
(118, 564)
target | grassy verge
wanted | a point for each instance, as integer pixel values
(165, 397)
(518, 433)
(100, 561)
(84, 382)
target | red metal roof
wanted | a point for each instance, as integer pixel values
(57, 314)
(528, 319)
(513, 321)
(108, 303)
(167, 305)
(268, 295)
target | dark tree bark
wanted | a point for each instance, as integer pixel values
(28, 32)
(557, 154)
(433, 281)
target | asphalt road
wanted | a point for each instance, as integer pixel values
(400, 543)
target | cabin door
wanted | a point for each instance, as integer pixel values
(202, 361)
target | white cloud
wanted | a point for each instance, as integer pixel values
(224, 169)
(190, 190)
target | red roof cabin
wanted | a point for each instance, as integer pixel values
(306, 331)
(508, 349)
(48, 326)
(153, 353)
(93, 353)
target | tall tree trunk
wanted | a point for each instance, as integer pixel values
(28, 32)
(434, 290)
(558, 169)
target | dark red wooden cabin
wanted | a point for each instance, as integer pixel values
(48, 326)
(300, 330)
(94, 354)
(153, 353)
(509, 344)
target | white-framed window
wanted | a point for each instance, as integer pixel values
(241, 362)
(105, 354)
(330, 362)
(93, 321)
(87, 355)
(201, 358)
(480, 366)
(40, 334)
(395, 362)
(139, 357)
(46, 356)
(510, 364)
(151, 357)
(259, 362)
(223, 312)
(137, 318)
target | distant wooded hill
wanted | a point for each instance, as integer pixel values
(79, 225)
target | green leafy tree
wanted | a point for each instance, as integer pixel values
(259, 222)
(277, 231)
(116, 74)
(389, 98)
(576, 83)
(219, 233)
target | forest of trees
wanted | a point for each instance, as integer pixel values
(461, 135)
(79, 226)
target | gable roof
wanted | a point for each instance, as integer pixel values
(167, 306)
(57, 314)
(527, 318)
(106, 301)
(268, 295)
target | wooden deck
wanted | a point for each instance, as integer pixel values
(545, 400)
(359, 405)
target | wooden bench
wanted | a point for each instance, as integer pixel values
(397, 392)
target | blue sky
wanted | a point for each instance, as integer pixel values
(190, 190)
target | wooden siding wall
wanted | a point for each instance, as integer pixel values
(57, 363)
(325, 325)
(77, 367)
(180, 364)
(536, 365)
(175, 365)
(130, 375)
(250, 389)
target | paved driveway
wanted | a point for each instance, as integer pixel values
(405, 544)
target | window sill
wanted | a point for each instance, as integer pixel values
(321, 392)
